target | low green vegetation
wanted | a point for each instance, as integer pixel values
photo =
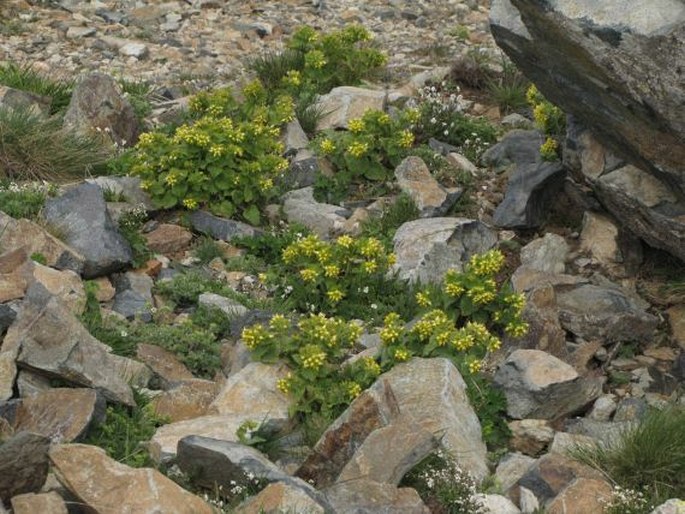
(184, 289)
(647, 458)
(24, 200)
(27, 79)
(130, 225)
(383, 227)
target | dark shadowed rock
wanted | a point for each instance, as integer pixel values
(220, 228)
(617, 67)
(97, 103)
(23, 464)
(81, 215)
(134, 296)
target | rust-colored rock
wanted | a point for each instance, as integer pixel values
(44, 503)
(187, 400)
(163, 363)
(167, 238)
(581, 496)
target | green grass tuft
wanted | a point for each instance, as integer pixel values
(26, 79)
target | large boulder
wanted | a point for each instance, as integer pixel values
(615, 65)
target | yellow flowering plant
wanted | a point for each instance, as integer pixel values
(226, 158)
(347, 276)
(550, 119)
(370, 149)
(462, 318)
(315, 348)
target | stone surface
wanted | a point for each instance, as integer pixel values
(168, 238)
(102, 483)
(294, 138)
(672, 506)
(11, 98)
(415, 179)
(164, 364)
(97, 103)
(604, 313)
(496, 504)
(427, 248)
(603, 408)
(49, 338)
(367, 497)
(44, 503)
(422, 394)
(581, 496)
(591, 59)
(648, 207)
(219, 228)
(66, 285)
(511, 468)
(299, 206)
(547, 254)
(133, 297)
(81, 215)
(280, 497)
(564, 442)
(61, 414)
(345, 103)
(600, 240)
(128, 187)
(23, 464)
(186, 400)
(230, 308)
(530, 436)
(538, 385)
(676, 320)
(35, 240)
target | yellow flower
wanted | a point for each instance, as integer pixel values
(353, 390)
(372, 366)
(423, 299)
(327, 146)
(369, 266)
(331, 271)
(266, 184)
(145, 185)
(548, 150)
(279, 322)
(474, 366)
(171, 179)
(216, 150)
(406, 139)
(392, 259)
(189, 203)
(486, 264)
(345, 241)
(516, 328)
(401, 354)
(315, 59)
(356, 125)
(312, 357)
(453, 289)
(335, 295)
(283, 384)
(357, 149)
(292, 78)
(309, 274)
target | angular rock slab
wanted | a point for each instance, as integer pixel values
(538, 385)
(128, 187)
(602, 313)
(415, 179)
(428, 395)
(23, 464)
(547, 254)
(81, 214)
(427, 248)
(49, 339)
(345, 103)
(213, 462)
(35, 240)
(591, 59)
(44, 503)
(133, 298)
(368, 497)
(650, 208)
(249, 395)
(97, 103)
(299, 206)
(220, 228)
(581, 496)
(108, 486)
(185, 400)
(63, 415)
(496, 504)
(279, 497)
(168, 238)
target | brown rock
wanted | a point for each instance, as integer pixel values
(367, 497)
(108, 486)
(44, 503)
(530, 436)
(64, 284)
(105, 291)
(415, 179)
(63, 415)
(167, 238)
(8, 371)
(581, 496)
(23, 464)
(187, 400)
(5, 430)
(280, 497)
(12, 260)
(163, 363)
(676, 319)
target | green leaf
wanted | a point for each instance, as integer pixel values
(251, 214)
(225, 209)
(466, 306)
(374, 171)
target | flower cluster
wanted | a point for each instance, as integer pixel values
(226, 159)
(331, 275)
(550, 119)
(627, 501)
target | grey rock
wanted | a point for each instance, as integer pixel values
(672, 506)
(11, 98)
(134, 49)
(220, 228)
(81, 214)
(592, 58)
(344, 103)
(281, 497)
(511, 468)
(299, 206)
(230, 308)
(302, 171)
(630, 409)
(80, 32)
(496, 504)
(368, 497)
(603, 408)
(294, 138)
(97, 102)
(517, 146)
(606, 432)
(50, 339)
(547, 254)
(604, 313)
(134, 296)
(427, 248)
(45, 503)
(8, 313)
(538, 385)
(128, 187)
(564, 442)
(647, 206)
(414, 179)
(23, 464)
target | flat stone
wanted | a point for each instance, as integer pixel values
(367, 497)
(280, 497)
(564, 442)
(581, 496)
(133, 298)
(164, 364)
(168, 238)
(102, 483)
(11, 98)
(134, 49)
(530, 436)
(186, 400)
(511, 468)
(80, 32)
(427, 248)
(61, 414)
(299, 206)
(220, 228)
(415, 179)
(547, 254)
(496, 504)
(128, 187)
(23, 464)
(538, 385)
(43, 503)
(345, 103)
